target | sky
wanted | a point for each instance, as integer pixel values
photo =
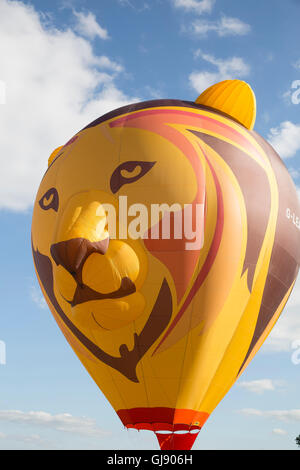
(62, 65)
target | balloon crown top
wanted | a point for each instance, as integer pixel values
(234, 98)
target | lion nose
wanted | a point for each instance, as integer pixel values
(72, 254)
(81, 230)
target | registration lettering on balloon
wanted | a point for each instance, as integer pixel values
(293, 217)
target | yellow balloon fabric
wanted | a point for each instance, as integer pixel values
(166, 240)
(54, 155)
(233, 97)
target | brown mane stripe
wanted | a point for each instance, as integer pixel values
(126, 363)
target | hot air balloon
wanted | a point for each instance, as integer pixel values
(166, 241)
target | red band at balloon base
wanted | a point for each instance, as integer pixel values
(175, 429)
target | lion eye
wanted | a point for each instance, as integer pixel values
(50, 200)
(129, 172)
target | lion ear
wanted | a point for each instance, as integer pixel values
(53, 155)
(234, 98)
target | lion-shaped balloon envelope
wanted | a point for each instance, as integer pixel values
(166, 240)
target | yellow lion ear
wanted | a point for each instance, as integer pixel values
(53, 155)
(234, 98)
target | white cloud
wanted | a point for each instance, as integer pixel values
(88, 26)
(60, 422)
(202, 80)
(131, 4)
(287, 329)
(279, 432)
(280, 415)
(28, 440)
(195, 6)
(2, 92)
(153, 93)
(285, 139)
(287, 97)
(285, 333)
(294, 172)
(37, 298)
(55, 85)
(297, 64)
(233, 67)
(106, 63)
(226, 26)
(258, 386)
(31, 439)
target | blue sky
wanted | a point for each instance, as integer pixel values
(62, 64)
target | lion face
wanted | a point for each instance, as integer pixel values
(101, 282)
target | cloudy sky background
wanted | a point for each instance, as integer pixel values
(63, 64)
